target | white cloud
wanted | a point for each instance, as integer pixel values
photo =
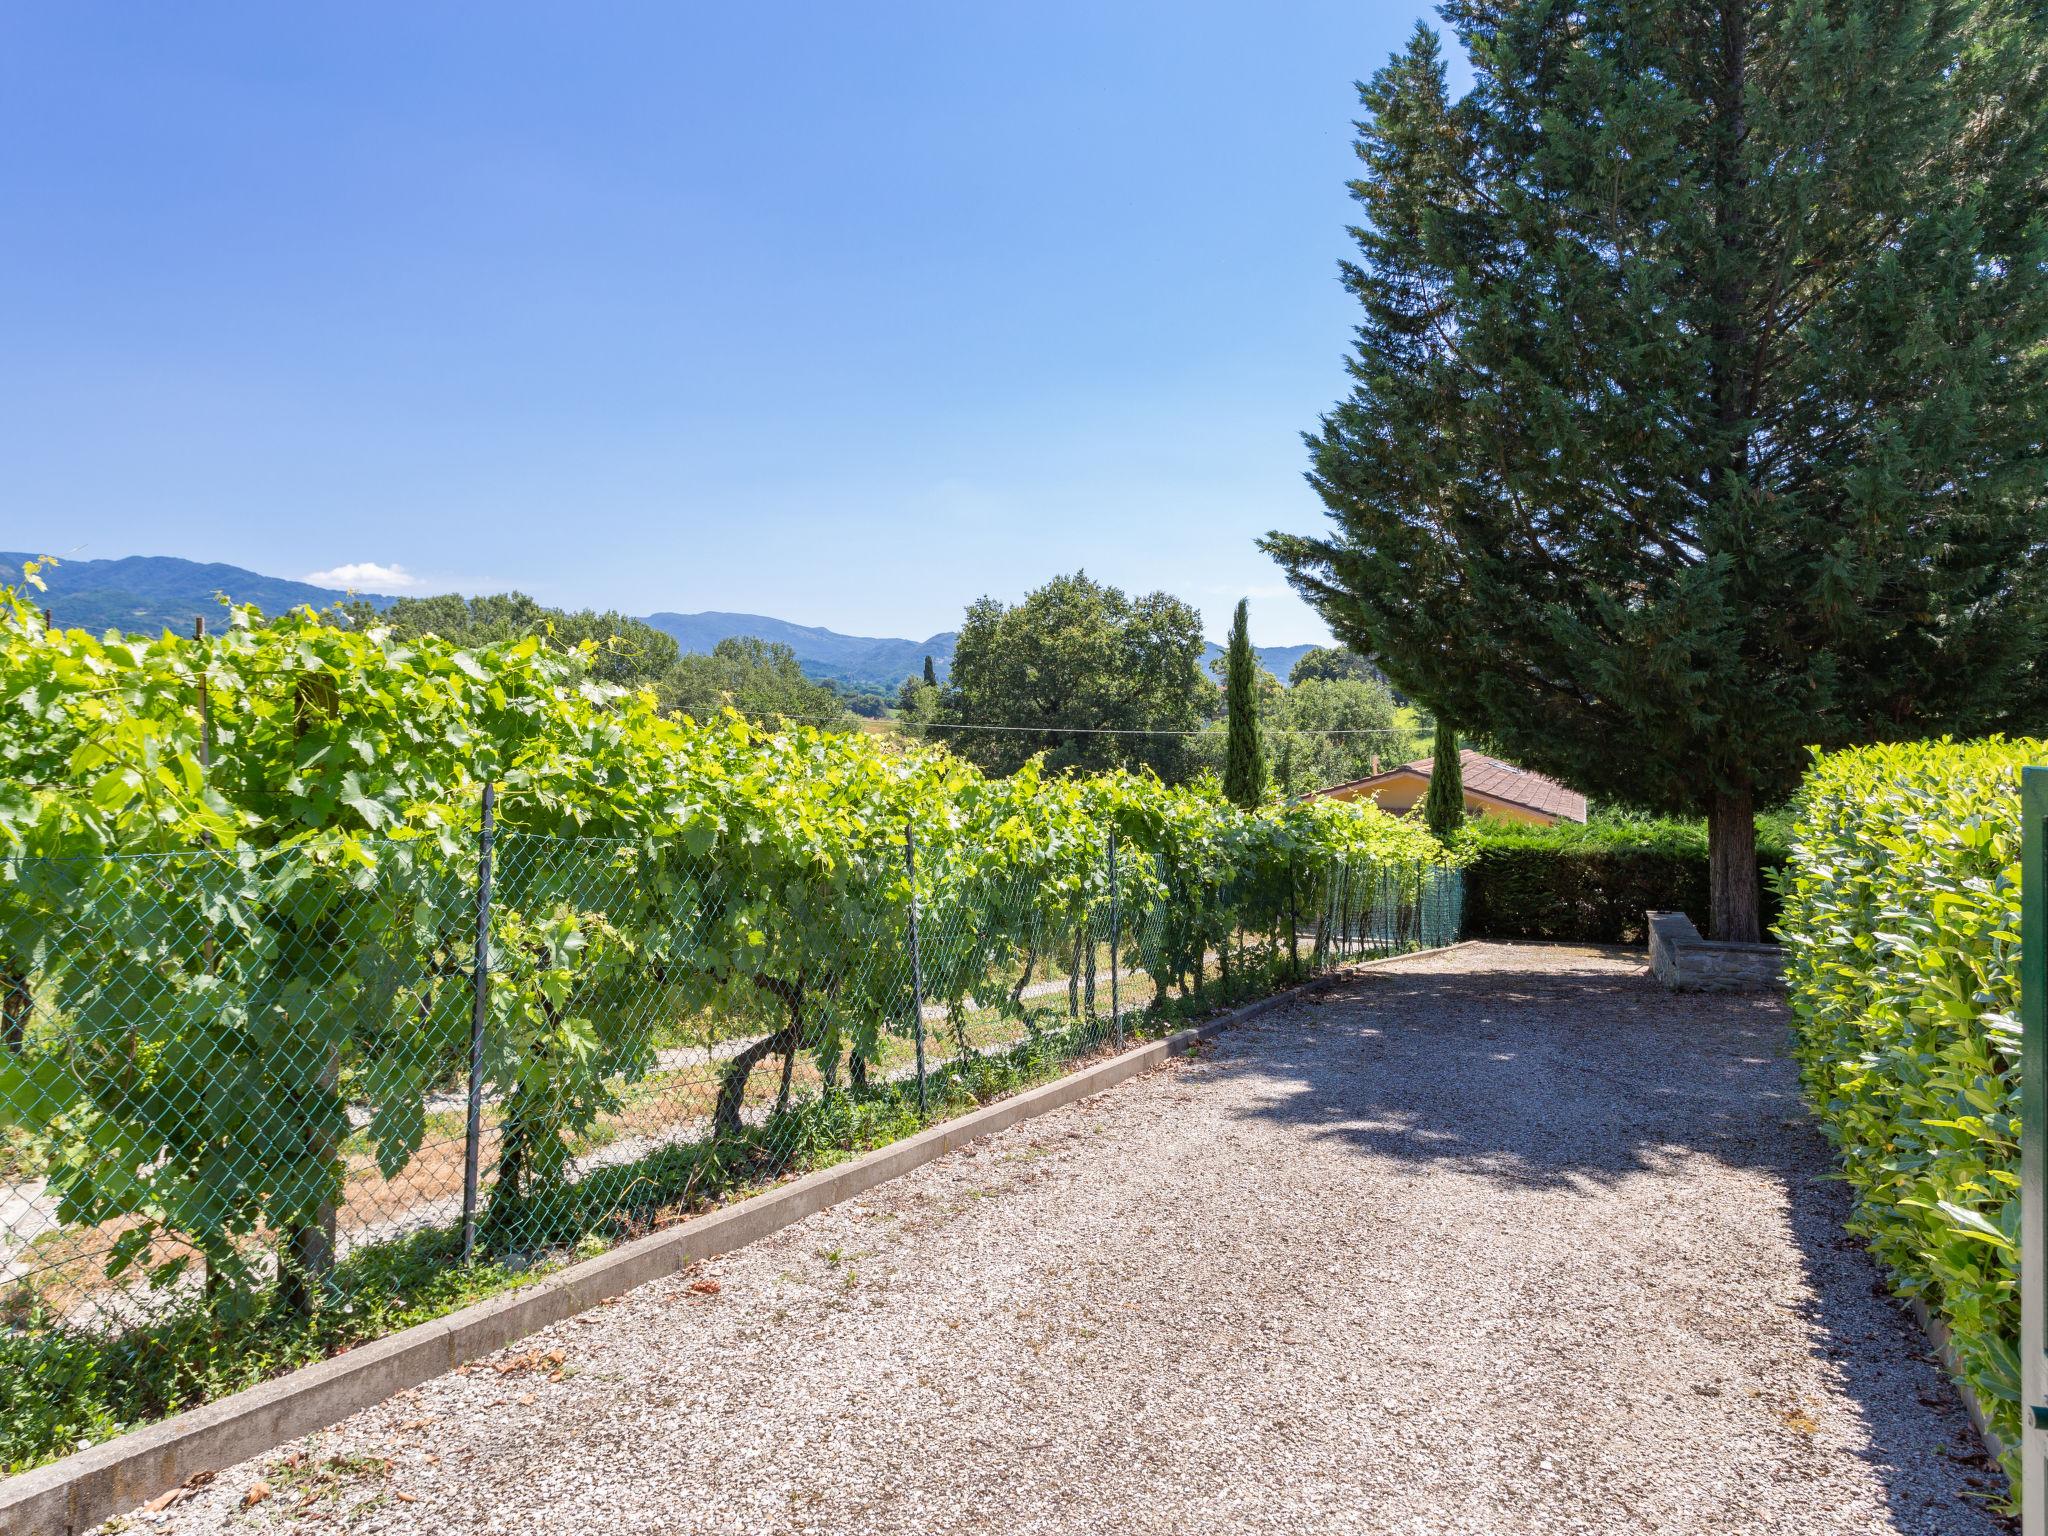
(365, 576)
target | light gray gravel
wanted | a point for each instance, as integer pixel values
(1503, 1240)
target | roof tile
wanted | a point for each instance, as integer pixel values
(1496, 780)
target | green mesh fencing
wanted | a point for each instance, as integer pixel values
(271, 1097)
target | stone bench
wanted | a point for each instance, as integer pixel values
(1686, 962)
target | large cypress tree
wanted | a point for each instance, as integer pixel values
(1698, 404)
(1244, 762)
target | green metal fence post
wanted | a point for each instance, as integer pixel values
(1325, 887)
(916, 969)
(2033, 1151)
(1293, 919)
(1116, 938)
(479, 1003)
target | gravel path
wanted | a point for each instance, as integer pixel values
(1501, 1240)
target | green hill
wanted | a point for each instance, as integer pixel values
(143, 594)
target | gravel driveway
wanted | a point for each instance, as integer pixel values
(1502, 1239)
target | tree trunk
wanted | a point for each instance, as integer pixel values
(14, 1008)
(732, 1079)
(726, 1119)
(1024, 976)
(309, 1255)
(310, 1251)
(1731, 367)
(1733, 893)
(1731, 818)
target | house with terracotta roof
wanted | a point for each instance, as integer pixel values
(1492, 788)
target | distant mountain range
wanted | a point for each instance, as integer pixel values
(861, 661)
(1276, 659)
(856, 660)
(143, 594)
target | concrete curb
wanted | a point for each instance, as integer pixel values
(1945, 1350)
(108, 1479)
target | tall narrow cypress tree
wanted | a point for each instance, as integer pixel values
(1244, 764)
(1444, 806)
(1698, 400)
(931, 674)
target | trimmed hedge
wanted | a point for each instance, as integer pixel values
(1901, 921)
(1592, 884)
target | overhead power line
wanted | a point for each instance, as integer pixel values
(1106, 730)
(1099, 730)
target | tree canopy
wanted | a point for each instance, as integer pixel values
(628, 652)
(1341, 728)
(762, 680)
(1332, 663)
(1699, 393)
(1318, 733)
(1070, 666)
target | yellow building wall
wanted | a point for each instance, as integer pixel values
(1398, 797)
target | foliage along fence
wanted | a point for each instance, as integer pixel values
(1593, 884)
(1901, 926)
(285, 1045)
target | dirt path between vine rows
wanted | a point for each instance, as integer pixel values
(1503, 1239)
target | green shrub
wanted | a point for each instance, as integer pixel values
(1592, 883)
(1901, 921)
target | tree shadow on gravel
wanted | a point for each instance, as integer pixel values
(1539, 1078)
(1571, 1069)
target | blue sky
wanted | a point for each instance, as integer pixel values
(847, 314)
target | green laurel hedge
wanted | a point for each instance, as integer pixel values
(1591, 884)
(1901, 921)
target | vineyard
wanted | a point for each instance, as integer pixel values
(343, 979)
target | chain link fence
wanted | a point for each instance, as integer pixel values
(306, 1098)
